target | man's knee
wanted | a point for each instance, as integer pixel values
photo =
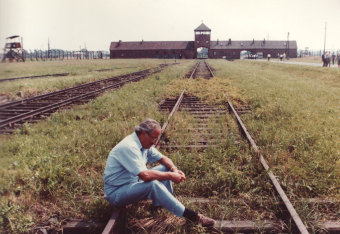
(156, 186)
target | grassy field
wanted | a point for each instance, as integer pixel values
(296, 121)
(81, 71)
(53, 169)
(309, 59)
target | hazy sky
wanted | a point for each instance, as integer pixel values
(71, 24)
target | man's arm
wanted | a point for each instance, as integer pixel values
(170, 165)
(174, 174)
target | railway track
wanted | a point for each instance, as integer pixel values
(111, 69)
(202, 115)
(34, 77)
(14, 114)
(54, 75)
(201, 70)
(197, 109)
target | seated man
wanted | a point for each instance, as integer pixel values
(128, 180)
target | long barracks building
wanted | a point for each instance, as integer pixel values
(201, 47)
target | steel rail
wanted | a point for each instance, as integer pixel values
(51, 107)
(283, 196)
(109, 228)
(56, 105)
(174, 109)
(176, 106)
(212, 74)
(198, 68)
(34, 77)
(193, 72)
(302, 228)
(69, 89)
(111, 224)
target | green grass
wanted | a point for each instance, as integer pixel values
(54, 168)
(81, 71)
(310, 59)
(295, 121)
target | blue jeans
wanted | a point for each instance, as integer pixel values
(160, 192)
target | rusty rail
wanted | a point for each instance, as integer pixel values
(209, 68)
(194, 70)
(276, 184)
(175, 108)
(110, 226)
(302, 228)
(224, 224)
(202, 70)
(34, 77)
(20, 111)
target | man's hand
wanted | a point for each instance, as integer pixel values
(177, 176)
(149, 175)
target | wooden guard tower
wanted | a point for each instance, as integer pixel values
(13, 50)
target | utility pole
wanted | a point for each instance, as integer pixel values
(324, 44)
(288, 46)
(22, 50)
(48, 48)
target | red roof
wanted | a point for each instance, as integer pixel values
(203, 27)
(252, 45)
(152, 45)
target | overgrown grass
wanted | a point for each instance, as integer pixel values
(309, 59)
(295, 121)
(54, 168)
(81, 71)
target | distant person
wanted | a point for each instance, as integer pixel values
(328, 59)
(333, 58)
(127, 179)
(281, 57)
(323, 58)
(339, 60)
(268, 57)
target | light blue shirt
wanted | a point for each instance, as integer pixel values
(126, 160)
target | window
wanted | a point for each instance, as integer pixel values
(198, 42)
(206, 42)
(214, 53)
(122, 55)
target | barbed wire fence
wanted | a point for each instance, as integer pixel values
(306, 53)
(49, 55)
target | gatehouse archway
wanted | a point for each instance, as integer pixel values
(202, 52)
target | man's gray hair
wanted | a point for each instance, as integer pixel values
(148, 125)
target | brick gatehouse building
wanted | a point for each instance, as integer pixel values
(202, 47)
